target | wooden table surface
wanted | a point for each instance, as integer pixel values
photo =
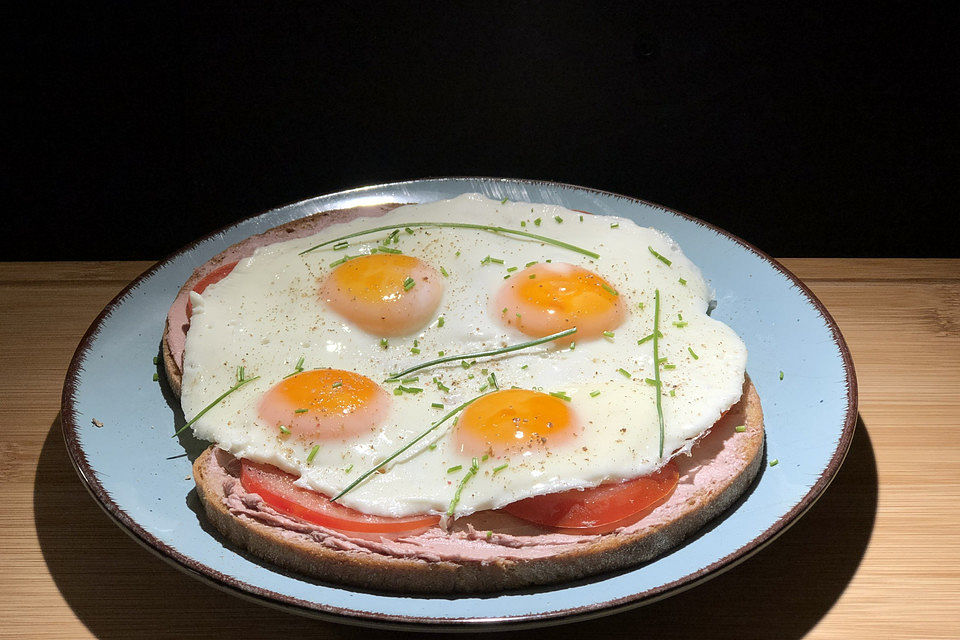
(877, 556)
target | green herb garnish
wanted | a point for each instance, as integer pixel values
(241, 380)
(594, 394)
(656, 359)
(659, 257)
(300, 410)
(474, 467)
(497, 470)
(562, 395)
(484, 354)
(313, 453)
(695, 356)
(625, 373)
(461, 225)
(774, 462)
(284, 430)
(400, 451)
(740, 429)
(455, 469)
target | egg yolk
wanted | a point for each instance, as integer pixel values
(549, 297)
(325, 404)
(514, 420)
(384, 294)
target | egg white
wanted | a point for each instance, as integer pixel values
(267, 314)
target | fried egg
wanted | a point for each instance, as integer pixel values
(323, 332)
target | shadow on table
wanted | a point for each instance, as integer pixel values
(119, 590)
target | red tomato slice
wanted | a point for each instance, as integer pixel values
(601, 509)
(216, 275)
(277, 490)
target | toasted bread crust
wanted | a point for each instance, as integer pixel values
(611, 551)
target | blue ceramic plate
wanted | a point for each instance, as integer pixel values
(141, 477)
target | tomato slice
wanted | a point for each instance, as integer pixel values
(277, 490)
(216, 275)
(600, 509)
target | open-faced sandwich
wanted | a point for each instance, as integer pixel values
(460, 396)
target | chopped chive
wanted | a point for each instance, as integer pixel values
(695, 356)
(673, 393)
(389, 250)
(660, 257)
(485, 386)
(408, 284)
(489, 260)
(444, 272)
(348, 469)
(608, 334)
(341, 245)
(313, 453)
(156, 377)
(774, 462)
(414, 350)
(484, 458)
(440, 385)
(489, 534)
(432, 446)
(337, 263)
(679, 325)
(457, 254)
(609, 289)
(410, 380)
(474, 467)
(497, 470)
(682, 281)
(781, 375)
(669, 366)
(384, 343)
(649, 337)
(532, 276)
(493, 381)
(561, 394)
(652, 382)
(440, 353)
(408, 230)
(503, 311)
(614, 225)
(573, 346)
(625, 373)
(440, 321)
(524, 366)
(523, 223)
(530, 264)
(594, 394)
(537, 222)
(240, 374)
(740, 429)
(400, 451)
(640, 306)
(512, 269)
(398, 391)
(455, 469)
(460, 225)
(483, 354)
(284, 430)
(504, 201)
(239, 384)
(558, 219)
(300, 410)
(581, 218)
(656, 357)
(436, 405)
(409, 389)
(155, 360)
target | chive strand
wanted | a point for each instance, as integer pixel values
(656, 363)
(483, 354)
(400, 451)
(239, 384)
(459, 225)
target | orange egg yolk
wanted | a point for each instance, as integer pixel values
(325, 404)
(514, 420)
(384, 294)
(549, 297)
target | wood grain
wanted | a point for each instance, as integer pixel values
(876, 556)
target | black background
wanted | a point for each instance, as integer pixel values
(809, 130)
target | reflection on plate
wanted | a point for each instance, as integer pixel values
(141, 478)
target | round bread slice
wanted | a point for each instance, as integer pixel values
(489, 551)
